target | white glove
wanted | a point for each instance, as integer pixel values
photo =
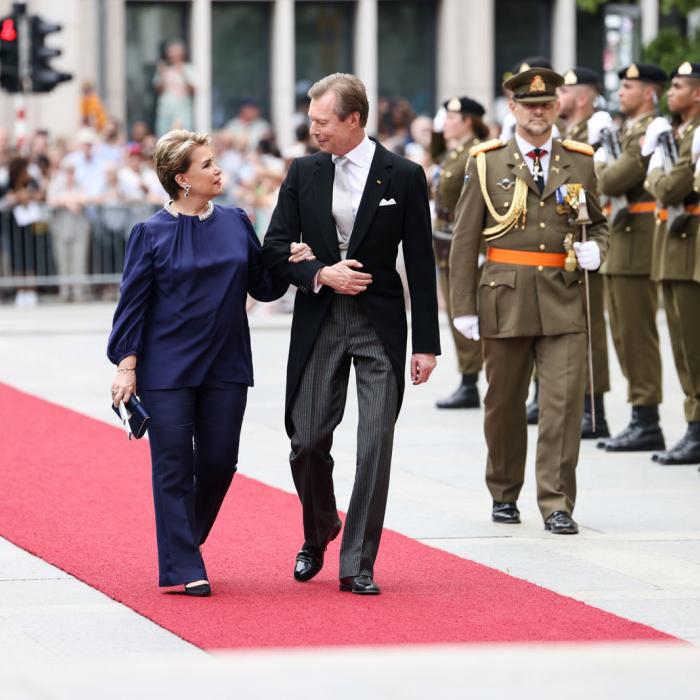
(695, 148)
(656, 161)
(480, 260)
(651, 138)
(697, 168)
(468, 326)
(600, 157)
(588, 255)
(508, 127)
(598, 121)
(439, 120)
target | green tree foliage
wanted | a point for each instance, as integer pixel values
(666, 6)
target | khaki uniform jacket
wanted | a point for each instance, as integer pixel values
(676, 255)
(631, 236)
(522, 300)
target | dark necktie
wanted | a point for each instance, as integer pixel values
(537, 154)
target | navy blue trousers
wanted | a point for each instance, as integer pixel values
(194, 435)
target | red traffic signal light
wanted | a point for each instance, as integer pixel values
(9, 55)
(8, 31)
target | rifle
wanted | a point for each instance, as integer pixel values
(610, 140)
(669, 148)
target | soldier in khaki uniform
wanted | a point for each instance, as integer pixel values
(459, 123)
(522, 197)
(577, 97)
(632, 296)
(677, 250)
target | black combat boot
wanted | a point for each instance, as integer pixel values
(601, 425)
(465, 396)
(533, 408)
(685, 451)
(641, 435)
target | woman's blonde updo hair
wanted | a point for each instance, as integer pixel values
(173, 155)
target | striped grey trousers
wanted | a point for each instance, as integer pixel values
(346, 336)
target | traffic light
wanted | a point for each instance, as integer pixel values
(44, 78)
(9, 54)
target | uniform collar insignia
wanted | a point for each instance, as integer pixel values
(505, 183)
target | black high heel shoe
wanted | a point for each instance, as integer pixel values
(199, 590)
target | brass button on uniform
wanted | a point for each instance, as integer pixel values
(628, 228)
(542, 224)
(684, 235)
(541, 246)
(505, 204)
(541, 203)
(540, 268)
(448, 173)
(492, 284)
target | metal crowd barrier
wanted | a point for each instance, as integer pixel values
(31, 254)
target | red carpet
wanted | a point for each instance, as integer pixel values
(77, 494)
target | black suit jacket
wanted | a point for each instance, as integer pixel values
(303, 212)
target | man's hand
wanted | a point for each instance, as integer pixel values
(344, 278)
(422, 365)
(588, 255)
(597, 122)
(468, 326)
(651, 137)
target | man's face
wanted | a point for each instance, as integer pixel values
(535, 118)
(631, 94)
(683, 94)
(332, 135)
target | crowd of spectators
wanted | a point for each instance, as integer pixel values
(67, 204)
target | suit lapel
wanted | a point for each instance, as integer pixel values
(558, 169)
(323, 191)
(376, 185)
(519, 167)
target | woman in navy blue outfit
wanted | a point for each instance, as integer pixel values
(180, 334)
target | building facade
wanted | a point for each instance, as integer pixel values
(270, 51)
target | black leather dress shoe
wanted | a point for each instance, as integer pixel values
(561, 523)
(533, 408)
(643, 434)
(309, 560)
(505, 513)
(362, 585)
(201, 590)
(465, 396)
(601, 425)
(685, 451)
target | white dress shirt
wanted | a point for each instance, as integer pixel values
(526, 147)
(357, 169)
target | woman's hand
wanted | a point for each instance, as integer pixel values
(124, 382)
(301, 252)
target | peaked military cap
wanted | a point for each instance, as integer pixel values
(687, 70)
(646, 72)
(582, 76)
(465, 105)
(534, 85)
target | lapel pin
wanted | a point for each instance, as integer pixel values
(555, 169)
(556, 158)
(379, 182)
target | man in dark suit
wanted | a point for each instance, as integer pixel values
(353, 203)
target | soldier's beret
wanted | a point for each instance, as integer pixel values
(582, 76)
(465, 105)
(646, 72)
(534, 85)
(687, 70)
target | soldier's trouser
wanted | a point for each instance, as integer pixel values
(508, 363)
(469, 359)
(599, 335)
(682, 304)
(632, 305)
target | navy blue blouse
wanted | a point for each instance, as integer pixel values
(183, 295)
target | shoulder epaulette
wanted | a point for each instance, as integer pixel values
(578, 147)
(486, 146)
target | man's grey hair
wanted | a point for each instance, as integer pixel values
(350, 95)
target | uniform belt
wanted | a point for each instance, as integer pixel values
(637, 208)
(524, 257)
(444, 214)
(690, 209)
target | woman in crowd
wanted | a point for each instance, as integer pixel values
(180, 334)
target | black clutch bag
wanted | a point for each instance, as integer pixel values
(133, 416)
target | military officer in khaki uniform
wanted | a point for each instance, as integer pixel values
(522, 197)
(677, 249)
(459, 124)
(577, 98)
(632, 296)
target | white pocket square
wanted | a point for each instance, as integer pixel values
(387, 202)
